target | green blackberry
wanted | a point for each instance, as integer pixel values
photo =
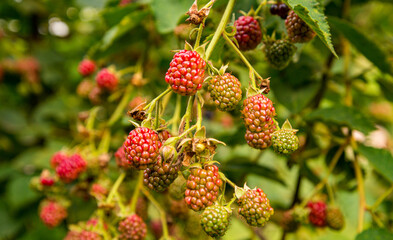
(215, 220)
(225, 91)
(279, 53)
(285, 141)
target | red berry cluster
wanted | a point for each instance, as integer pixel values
(248, 33)
(86, 67)
(317, 214)
(142, 148)
(186, 72)
(203, 186)
(258, 115)
(52, 213)
(107, 80)
(69, 168)
(132, 228)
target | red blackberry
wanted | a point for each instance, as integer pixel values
(160, 175)
(298, 30)
(226, 91)
(202, 187)
(258, 115)
(335, 218)
(121, 159)
(215, 220)
(248, 33)
(317, 215)
(186, 71)
(255, 207)
(98, 191)
(57, 158)
(46, 178)
(164, 135)
(89, 235)
(86, 67)
(107, 80)
(72, 235)
(132, 228)
(52, 213)
(142, 148)
(70, 168)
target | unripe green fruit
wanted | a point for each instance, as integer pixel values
(215, 220)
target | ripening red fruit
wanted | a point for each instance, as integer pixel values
(121, 159)
(70, 168)
(317, 215)
(52, 213)
(132, 228)
(248, 33)
(186, 71)
(57, 158)
(142, 148)
(86, 67)
(107, 80)
(298, 30)
(46, 178)
(89, 235)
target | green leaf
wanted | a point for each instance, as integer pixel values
(381, 159)
(362, 43)
(243, 166)
(375, 234)
(124, 26)
(168, 13)
(311, 13)
(386, 86)
(19, 193)
(88, 3)
(114, 15)
(343, 115)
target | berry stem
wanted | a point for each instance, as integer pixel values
(362, 196)
(262, 4)
(332, 165)
(187, 116)
(228, 181)
(200, 30)
(165, 231)
(90, 127)
(157, 119)
(176, 116)
(122, 105)
(151, 105)
(101, 215)
(220, 28)
(137, 189)
(120, 203)
(115, 186)
(228, 206)
(126, 70)
(244, 59)
(381, 199)
(199, 111)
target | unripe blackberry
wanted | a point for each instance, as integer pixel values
(298, 30)
(335, 218)
(248, 33)
(132, 228)
(89, 235)
(142, 148)
(258, 115)
(202, 187)
(186, 72)
(285, 141)
(107, 80)
(52, 213)
(86, 67)
(215, 220)
(70, 168)
(279, 53)
(164, 135)
(160, 175)
(226, 91)
(98, 191)
(317, 215)
(255, 207)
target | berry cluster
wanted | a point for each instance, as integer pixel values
(215, 220)
(298, 30)
(132, 228)
(52, 213)
(258, 115)
(248, 33)
(279, 53)
(225, 91)
(160, 175)
(317, 214)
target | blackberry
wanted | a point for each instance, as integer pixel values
(298, 30)
(226, 91)
(248, 33)
(285, 141)
(215, 220)
(279, 53)
(160, 176)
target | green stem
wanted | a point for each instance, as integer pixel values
(160, 210)
(90, 127)
(135, 196)
(151, 105)
(103, 147)
(101, 216)
(120, 203)
(220, 28)
(263, 3)
(230, 203)
(381, 199)
(126, 70)
(115, 187)
(228, 181)
(187, 116)
(157, 119)
(244, 59)
(122, 105)
(200, 30)
(362, 195)
(176, 115)
(199, 111)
